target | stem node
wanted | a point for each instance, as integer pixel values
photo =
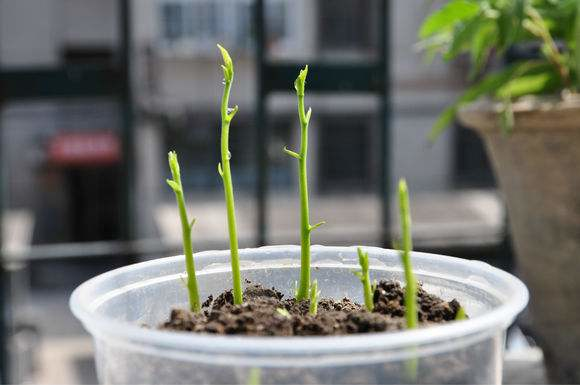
(291, 153)
(313, 227)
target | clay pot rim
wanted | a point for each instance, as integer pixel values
(531, 113)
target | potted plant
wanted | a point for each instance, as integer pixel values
(446, 325)
(528, 114)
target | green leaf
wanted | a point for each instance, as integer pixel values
(446, 17)
(363, 259)
(174, 186)
(487, 86)
(314, 227)
(481, 46)
(300, 82)
(443, 121)
(434, 45)
(174, 165)
(462, 36)
(228, 66)
(536, 83)
(510, 23)
(291, 153)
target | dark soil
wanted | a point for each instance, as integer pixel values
(266, 313)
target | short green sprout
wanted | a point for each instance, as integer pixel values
(363, 275)
(411, 314)
(314, 293)
(460, 315)
(225, 172)
(254, 378)
(186, 226)
(305, 226)
(283, 312)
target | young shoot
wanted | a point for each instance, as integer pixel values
(283, 312)
(314, 293)
(305, 226)
(411, 315)
(363, 275)
(225, 172)
(460, 315)
(254, 378)
(186, 226)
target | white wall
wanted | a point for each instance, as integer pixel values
(28, 33)
(420, 92)
(88, 22)
(32, 32)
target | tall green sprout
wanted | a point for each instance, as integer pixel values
(411, 315)
(363, 275)
(305, 226)
(460, 315)
(186, 226)
(225, 172)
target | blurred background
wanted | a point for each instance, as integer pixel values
(93, 94)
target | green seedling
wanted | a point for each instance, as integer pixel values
(411, 315)
(460, 315)
(186, 226)
(254, 378)
(227, 114)
(305, 226)
(283, 312)
(314, 293)
(363, 275)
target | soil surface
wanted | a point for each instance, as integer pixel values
(266, 313)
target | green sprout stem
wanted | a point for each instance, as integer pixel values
(407, 245)
(460, 315)
(305, 226)
(283, 312)
(224, 170)
(314, 293)
(363, 275)
(254, 378)
(186, 226)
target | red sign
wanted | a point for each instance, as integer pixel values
(84, 149)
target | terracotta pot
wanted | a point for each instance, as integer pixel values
(538, 170)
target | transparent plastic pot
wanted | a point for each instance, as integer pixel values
(122, 308)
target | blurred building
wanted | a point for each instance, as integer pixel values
(178, 40)
(177, 85)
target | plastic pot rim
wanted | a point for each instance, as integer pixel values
(100, 326)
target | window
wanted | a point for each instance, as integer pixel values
(346, 24)
(340, 136)
(172, 22)
(193, 26)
